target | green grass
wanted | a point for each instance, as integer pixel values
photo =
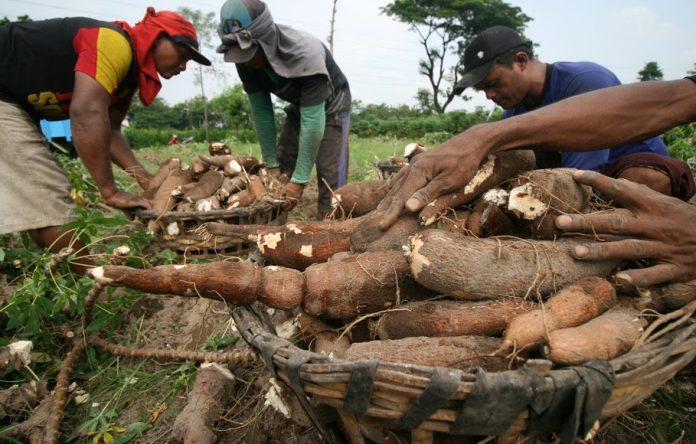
(363, 153)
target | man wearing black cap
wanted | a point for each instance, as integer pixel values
(298, 68)
(501, 64)
(88, 71)
(648, 225)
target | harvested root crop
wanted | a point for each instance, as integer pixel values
(667, 298)
(363, 283)
(339, 289)
(462, 352)
(206, 186)
(541, 195)
(358, 198)
(324, 339)
(238, 283)
(164, 171)
(495, 170)
(369, 237)
(570, 307)
(604, 337)
(469, 268)
(213, 390)
(297, 245)
(451, 318)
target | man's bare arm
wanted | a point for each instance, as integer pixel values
(597, 119)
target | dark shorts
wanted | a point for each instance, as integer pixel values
(677, 170)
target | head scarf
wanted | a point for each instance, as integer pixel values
(291, 53)
(144, 34)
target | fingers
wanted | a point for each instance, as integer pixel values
(626, 193)
(623, 249)
(646, 277)
(620, 221)
(412, 182)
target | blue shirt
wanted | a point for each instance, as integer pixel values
(566, 79)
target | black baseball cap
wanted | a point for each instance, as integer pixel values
(192, 46)
(484, 49)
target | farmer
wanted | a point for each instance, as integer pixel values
(656, 227)
(86, 70)
(502, 65)
(298, 68)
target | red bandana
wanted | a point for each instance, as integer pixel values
(143, 35)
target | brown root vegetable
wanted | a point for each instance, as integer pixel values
(206, 186)
(413, 149)
(473, 222)
(470, 268)
(573, 305)
(462, 352)
(218, 149)
(451, 318)
(233, 184)
(224, 161)
(369, 237)
(455, 221)
(667, 298)
(541, 195)
(495, 170)
(209, 397)
(208, 204)
(256, 187)
(324, 339)
(358, 198)
(233, 282)
(163, 200)
(198, 167)
(158, 178)
(297, 245)
(604, 337)
(363, 283)
(242, 199)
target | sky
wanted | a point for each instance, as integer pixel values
(380, 55)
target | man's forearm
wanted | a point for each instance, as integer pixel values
(91, 136)
(264, 122)
(123, 156)
(597, 119)
(312, 125)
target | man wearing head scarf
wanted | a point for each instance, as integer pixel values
(88, 71)
(298, 68)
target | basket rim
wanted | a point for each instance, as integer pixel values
(637, 373)
(213, 214)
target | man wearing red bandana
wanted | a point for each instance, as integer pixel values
(88, 71)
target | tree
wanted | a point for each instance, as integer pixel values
(692, 72)
(21, 18)
(333, 23)
(651, 71)
(206, 28)
(445, 28)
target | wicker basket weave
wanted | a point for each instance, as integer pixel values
(191, 242)
(389, 402)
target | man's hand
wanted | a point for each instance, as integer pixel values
(292, 193)
(126, 201)
(432, 174)
(656, 227)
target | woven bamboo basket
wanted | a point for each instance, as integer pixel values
(192, 242)
(425, 404)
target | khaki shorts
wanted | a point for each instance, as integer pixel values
(35, 191)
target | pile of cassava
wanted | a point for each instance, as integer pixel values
(220, 181)
(480, 278)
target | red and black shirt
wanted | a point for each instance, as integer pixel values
(38, 61)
